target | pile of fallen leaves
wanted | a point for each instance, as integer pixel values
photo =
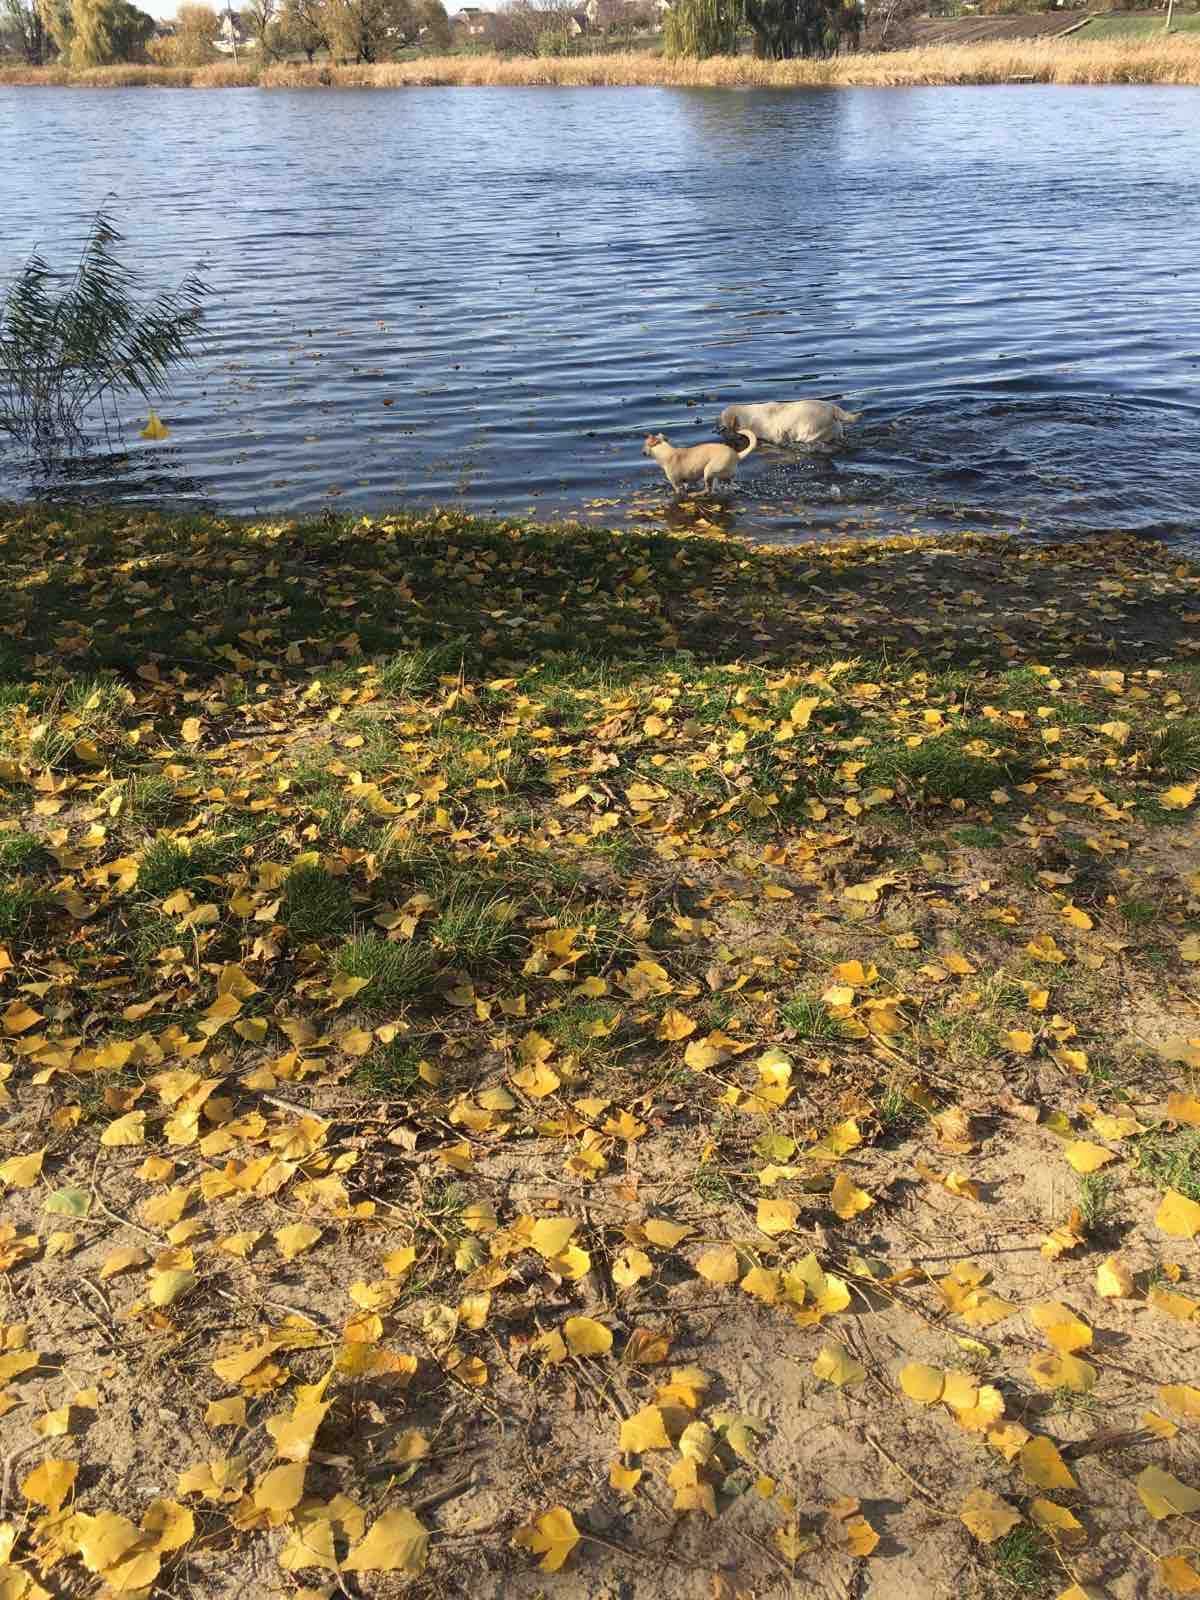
(473, 997)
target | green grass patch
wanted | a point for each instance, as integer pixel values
(391, 1069)
(395, 971)
(810, 1018)
(315, 903)
(1171, 1161)
(1023, 1563)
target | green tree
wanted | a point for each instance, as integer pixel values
(299, 26)
(367, 30)
(24, 27)
(703, 28)
(787, 28)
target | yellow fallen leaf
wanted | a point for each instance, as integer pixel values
(50, 1483)
(630, 1267)
(645, 1430)
(1057, 1521)
(1158, 1426)
(1052, 1370)
(127, 1130)
(1178, 1216)
(1114, 1281)
(586, 1337)
(624, 1479)
(665, 1234)
(1164, 1496)
(191, 730)
(674, 1025)
(1178, 797)
(1087, 1157)
(922, 1383)
(396, 1542)
(837, 1366)
(131, 1255)
(777, 1216)
(21, 1172)
(987, 1516)
(1044, 1466)
(1063, 1329)
(168, 1286)
(1179, 1575)
(226, 1413)
(1181, 1397)
(155, 428)
(846, 1199)
(551, 1235)
(719, 1265)
(281, 1488)
(295, 1239)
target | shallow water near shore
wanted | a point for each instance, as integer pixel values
(489, 297)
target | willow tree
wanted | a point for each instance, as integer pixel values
(703, 28)
(787, 28)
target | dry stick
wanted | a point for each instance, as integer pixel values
(929, 1501)
(450, 1492)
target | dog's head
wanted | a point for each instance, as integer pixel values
(651, 440)
(727, 422)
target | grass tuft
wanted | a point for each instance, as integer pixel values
(395, 971)
(315, 903)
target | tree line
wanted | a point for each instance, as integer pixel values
(94, 33)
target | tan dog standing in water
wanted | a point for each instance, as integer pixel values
(707, 461)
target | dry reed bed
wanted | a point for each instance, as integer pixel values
(1174, 60)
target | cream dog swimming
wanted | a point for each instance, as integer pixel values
(790, 421)
(707, 461)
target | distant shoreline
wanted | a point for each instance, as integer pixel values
(1174, 59)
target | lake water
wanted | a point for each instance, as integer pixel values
(488, 297)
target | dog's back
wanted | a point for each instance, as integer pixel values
(791, 421)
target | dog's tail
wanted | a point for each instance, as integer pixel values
(753, 445)
(846, 416)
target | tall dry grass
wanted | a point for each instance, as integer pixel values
(1173, 60)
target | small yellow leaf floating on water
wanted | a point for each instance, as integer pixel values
(552, 1536)
(836, 1365)
(396, 1543)
(987, 1516)
(586, 1337)
(921, 1383)
(1179, 1575)
(1058, 1522)
(645, 1430)
(1087, 1157)
(296, 1238)
(1114, 1281)
(1178, 1216)
(155, 428)
(847, 1199)
(1164, 1495)
(50, 1483)
(1044, 1466)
